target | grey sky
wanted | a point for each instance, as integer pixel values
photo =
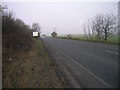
(66, 17)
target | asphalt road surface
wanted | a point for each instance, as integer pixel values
(86, 64)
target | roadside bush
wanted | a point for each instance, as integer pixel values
(15, 33)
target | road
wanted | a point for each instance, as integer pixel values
(86, 64)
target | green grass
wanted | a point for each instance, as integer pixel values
(111, 39)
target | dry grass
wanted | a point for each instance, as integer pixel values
(29, 68)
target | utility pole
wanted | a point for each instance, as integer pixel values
(119, 18)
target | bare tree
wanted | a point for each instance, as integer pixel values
(54, 34)
(85, 32)
(96, 26)
(36, 27)
(88, 31)
(105, 25)
(69, 36)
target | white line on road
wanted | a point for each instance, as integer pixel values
(111, 52)
(86, 69)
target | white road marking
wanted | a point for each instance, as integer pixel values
(108, 51)
(86, 69)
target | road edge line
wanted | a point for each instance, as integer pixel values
(86, 69)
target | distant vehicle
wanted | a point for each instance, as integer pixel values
(43, 36)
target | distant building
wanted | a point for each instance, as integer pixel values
(54, 34)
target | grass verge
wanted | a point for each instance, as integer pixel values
(111, 40)
(32, 68)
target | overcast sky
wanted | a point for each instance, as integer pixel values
(62, 17)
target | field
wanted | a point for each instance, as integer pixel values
(111, 39)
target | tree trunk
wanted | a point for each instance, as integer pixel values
(106, 35)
